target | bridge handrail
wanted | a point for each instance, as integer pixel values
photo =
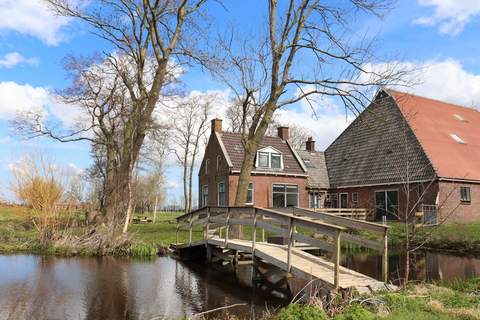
(336, 231)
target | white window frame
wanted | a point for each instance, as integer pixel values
(224, 194)
(207, 164)
(204, 203)
(468, 195)
(355, 201)
(253, 193)
(285, 193)
(269, 151)
(340, 200)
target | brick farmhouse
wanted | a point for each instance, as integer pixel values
(402, 154)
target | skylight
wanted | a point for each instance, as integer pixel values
(308, 163)
(457, 138)
(459, 117)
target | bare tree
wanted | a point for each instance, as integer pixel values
(308, 50)
(297, 136)
(119, 92)
(189, 130)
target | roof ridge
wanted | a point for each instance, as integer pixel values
(431, 99)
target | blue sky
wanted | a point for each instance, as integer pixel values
(441, 36)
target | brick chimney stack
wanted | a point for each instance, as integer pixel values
(283, 133)
(216, 125)
(310, 144)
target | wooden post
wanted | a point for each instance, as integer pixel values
(176, 233)
(190, 230)
(227, 227)
(336, 260)
(254, 231)
(290, 242)
(207, 227)
(385, 253)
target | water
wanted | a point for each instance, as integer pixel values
(424, 266)
(36, 287)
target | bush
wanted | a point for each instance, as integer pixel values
(355, 312)
(298, 312)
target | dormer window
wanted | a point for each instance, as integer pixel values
(269, 158)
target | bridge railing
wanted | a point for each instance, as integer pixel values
(327, 233)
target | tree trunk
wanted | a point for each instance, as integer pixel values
(129, 208)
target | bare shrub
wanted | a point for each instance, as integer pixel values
(40, 185)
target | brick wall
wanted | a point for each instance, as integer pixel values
(366, 195)
(214, 176)
(452, 208)
(263, 189)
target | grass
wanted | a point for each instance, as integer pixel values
(463, 238)
(421, 302)
(18, 234)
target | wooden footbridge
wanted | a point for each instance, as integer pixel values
(298, 229)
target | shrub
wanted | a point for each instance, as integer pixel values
(298, 312)
(355, 312)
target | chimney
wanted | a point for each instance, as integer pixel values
(216, 125)
(310, 144)
(283, 133)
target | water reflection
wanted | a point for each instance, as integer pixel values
(425, 266)
(36, 287)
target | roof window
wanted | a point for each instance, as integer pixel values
(308, 163)
(457, 138)
(459, 117)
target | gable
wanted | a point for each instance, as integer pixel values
(376, 148)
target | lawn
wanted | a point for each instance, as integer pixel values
(464, 237)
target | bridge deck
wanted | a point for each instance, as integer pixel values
(303, 265)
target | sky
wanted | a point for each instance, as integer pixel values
(440, 37)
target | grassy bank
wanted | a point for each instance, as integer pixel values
(463, 238)
(421, 302)
(19, 234)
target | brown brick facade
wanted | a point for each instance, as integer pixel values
(452, 208)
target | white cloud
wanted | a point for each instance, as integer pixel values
(17, 98)
(444, 80)
(450, 16)
(12, 59)
(32, 17)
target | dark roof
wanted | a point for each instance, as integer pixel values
(234, 147)
(376, 148)
(316, 169)
(435, 124)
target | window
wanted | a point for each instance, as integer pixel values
(332, 200)
(354, 197)
(207, 164)
(205, 196)
(263, 161)
(221, 194)
(285, 195)
(269, 158)
(465, 195)
(315, 200)
(250, 194)
(457, 138)
(343, 200)
(219, 162)
(308, 163)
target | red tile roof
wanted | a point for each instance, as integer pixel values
(434, 124)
